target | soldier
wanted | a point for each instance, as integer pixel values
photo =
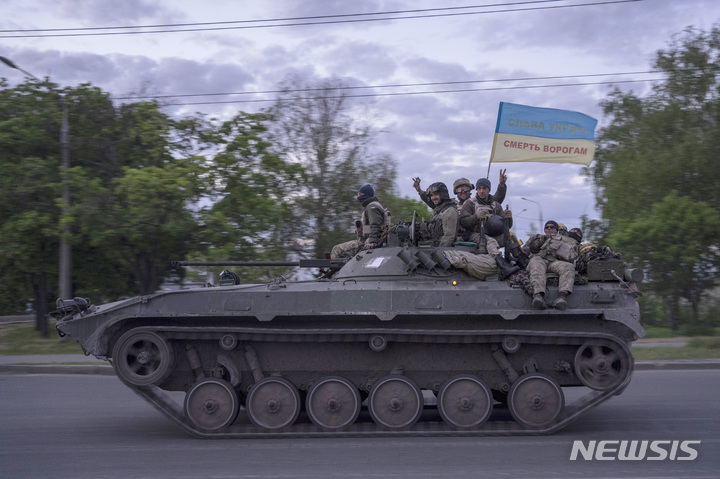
(369, 227)
(484, 208)
(576, 234)
(479, 266)
(441, 230)
(462, 189)
(555, 253)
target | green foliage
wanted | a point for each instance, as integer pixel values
(30, 184)
(255, 195)
(132, 179)
(147, 189)
(696, 330)
(676, 243)
(21, 338)
(651, 310)
(697, 348)
(593, 230)
(656, 171)
(658, 332)
(402, 208)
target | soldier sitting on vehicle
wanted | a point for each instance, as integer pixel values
(477, 265)
(555, 253)
(441, 230)
(576, 234)
(462, 189)
(483, 208)
(370, 227)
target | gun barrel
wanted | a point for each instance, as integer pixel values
(303, 263)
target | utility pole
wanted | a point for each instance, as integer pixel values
(65, 271)
(542, 223)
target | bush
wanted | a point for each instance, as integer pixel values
(651, 311)
(707, 343)
(659, 332)
(702, 329)
(711, 314)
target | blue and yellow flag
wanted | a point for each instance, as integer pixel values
(548, 135)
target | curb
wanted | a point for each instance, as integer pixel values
(676, 364)
(56, 369)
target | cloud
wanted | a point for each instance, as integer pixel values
(437, 136)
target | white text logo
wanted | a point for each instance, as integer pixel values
(634, 450)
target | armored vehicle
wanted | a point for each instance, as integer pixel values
(395, 340)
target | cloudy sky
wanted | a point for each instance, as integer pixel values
(565, 54)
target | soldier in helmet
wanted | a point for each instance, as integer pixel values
(462, 189)
(424, 196)
(555, 253)
(441, 230)
(369, 227)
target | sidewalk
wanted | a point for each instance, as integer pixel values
(54, 364)
(81, 364)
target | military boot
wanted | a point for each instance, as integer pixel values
(561, 301)
(506, 269)
(538, 301)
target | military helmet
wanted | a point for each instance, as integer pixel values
(495, 225)
(462, 182)
(440, 189)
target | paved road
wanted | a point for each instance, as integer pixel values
(91, 426)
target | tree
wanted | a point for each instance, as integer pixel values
(665, 142)
(133, 209)
(30, 185)
(668, 140)
(254, 195)
(134, 173)
(671, 243)
(313, 125)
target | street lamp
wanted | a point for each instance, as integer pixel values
(542, 223)
(65, 267)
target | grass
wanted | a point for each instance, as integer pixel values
(21, 338)
(696, 348)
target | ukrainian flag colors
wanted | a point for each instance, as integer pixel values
(526, 133)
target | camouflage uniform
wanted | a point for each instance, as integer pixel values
(557, 255)
(462, 234)
(470, 222)
(442, 227)
(372, 220)
(478, 266)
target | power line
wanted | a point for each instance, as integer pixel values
(348, 18)
(464, 90)
(396, 85)
(316, 17)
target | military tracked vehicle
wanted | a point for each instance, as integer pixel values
(394, 341)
